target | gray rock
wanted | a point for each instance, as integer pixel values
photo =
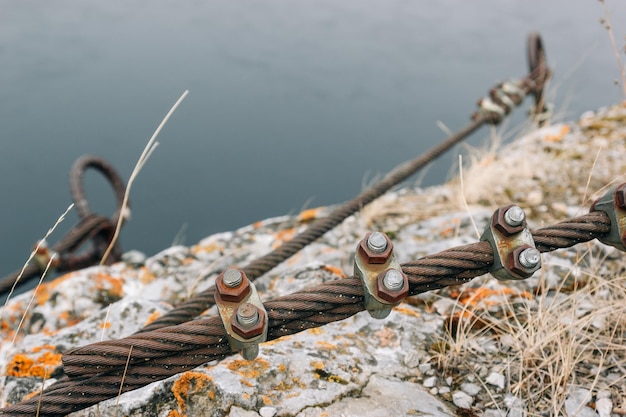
(462, 400)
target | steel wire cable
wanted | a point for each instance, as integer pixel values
(205, 299)
(98, 369)
(90, 228)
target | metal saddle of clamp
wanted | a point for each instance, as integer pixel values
(384, 283)
(515, 256)
(613, 203)
(242, 312)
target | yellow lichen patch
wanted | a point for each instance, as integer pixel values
(317, 364)
(565, 129)
(249, 369)
(308, 215)
(174, 413)
(386, 337)
(266, 400)
(188, 383)
(246, 383)
(335, 270)
(104, 325)
(245, 396)
(474, 296)
(326, 345)
(407, 311)
(24, 366)
(316, 330)
(155, 315)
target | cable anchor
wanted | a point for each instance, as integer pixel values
(613, 203)
(384, 283)
(515, 255)
(242, 312)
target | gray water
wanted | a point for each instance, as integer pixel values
(292, 104)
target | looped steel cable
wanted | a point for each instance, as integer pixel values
(97, 369)
(87, 241)
(202, 301)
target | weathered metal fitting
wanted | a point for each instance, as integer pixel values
(613, 203)
(232, 286)
(384, 283)
(508, 221)
(392, 285)
(245, 320)
(375, 248)
(515, 256)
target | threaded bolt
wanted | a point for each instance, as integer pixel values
(247, 315)
(377, 242)
(232, 278)
(530, 258)
(514, 216)
(393, 280)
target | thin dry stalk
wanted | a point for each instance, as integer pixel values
(117, 402)
(147, 151)
(606, 21)
(32, 254)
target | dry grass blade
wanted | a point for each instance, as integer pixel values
(32, 254)
(147, 151)
(117, 402)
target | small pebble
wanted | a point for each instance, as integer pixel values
(268, 411)
(496, 379)
(461, 399)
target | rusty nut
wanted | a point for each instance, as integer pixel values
(515, 265)
(500, 224)
(232, 294)
(395, 292)
(249, 331)
(371, 256)
(620, 196)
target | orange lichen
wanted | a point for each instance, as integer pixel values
(146, 276)
(188, 383)
(326, 345)
(282, 367)
(317, 364)
(38, 349)
(316, 330)
(174, 413)
(335, 270)
(565, 129)
(474, 296)
(104, 325)
(246, 383)
(113, 286)
(308, 215)
(245, 396)
(155, 315)
(283, 235)
(24, 366)
(249, 369)
(407, 311)
(266, 400)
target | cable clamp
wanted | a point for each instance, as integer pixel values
(515, 256)
(384, 283)
(613, 203)
(242, 312)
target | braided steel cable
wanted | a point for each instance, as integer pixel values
(97, 369)
(532, 84)
(91, 227)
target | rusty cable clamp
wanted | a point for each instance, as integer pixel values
(613, 203)
(384, 283)
(242, 312)
(515, 255)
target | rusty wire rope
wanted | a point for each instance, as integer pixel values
(533, 84)
(92, 229)
(96, 370)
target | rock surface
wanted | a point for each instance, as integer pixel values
(409, 364)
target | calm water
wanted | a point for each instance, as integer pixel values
(291, 104)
